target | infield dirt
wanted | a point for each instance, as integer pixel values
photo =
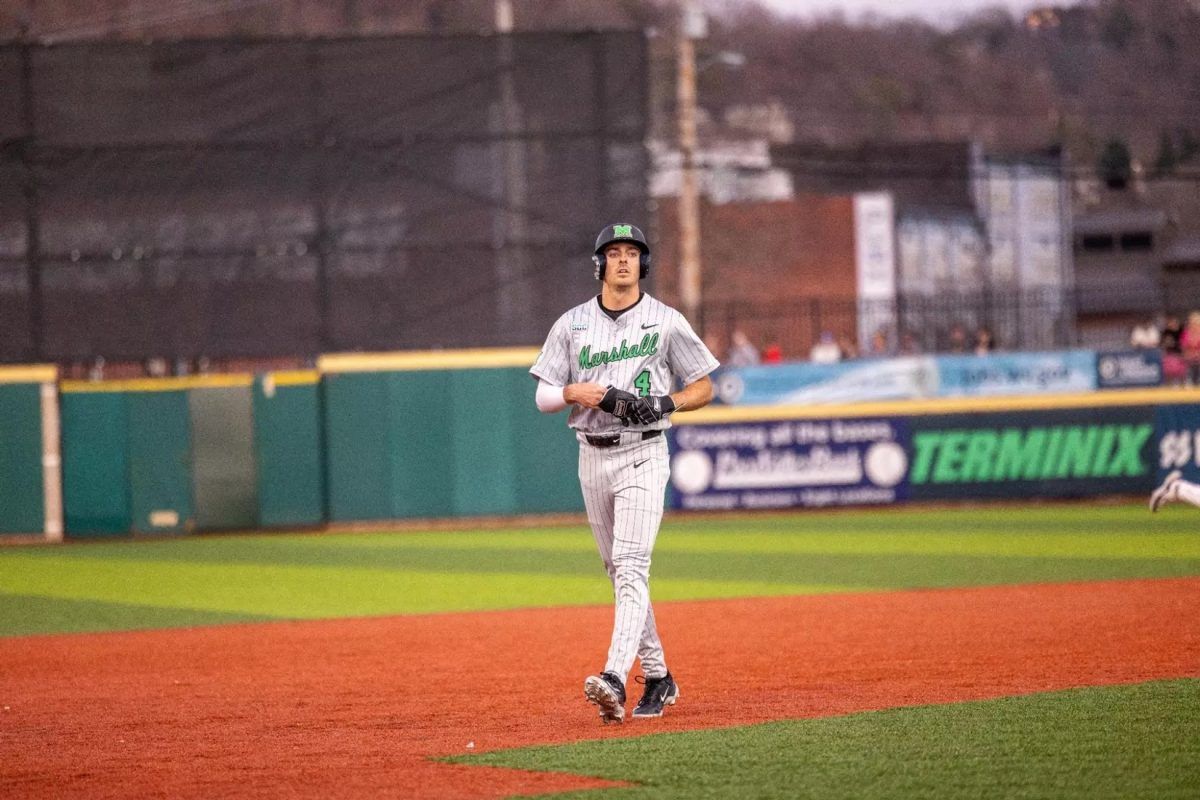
(361, 707)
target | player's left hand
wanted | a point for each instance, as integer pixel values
(648, 410)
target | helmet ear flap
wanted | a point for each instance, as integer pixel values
(643, 269)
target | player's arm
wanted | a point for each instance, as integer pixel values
(551, 399)
(587, 395)
(696, 394)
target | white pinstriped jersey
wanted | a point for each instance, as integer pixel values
(641, 352)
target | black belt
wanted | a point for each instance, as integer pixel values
(614, 439)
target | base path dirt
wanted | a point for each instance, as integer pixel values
(357, 708)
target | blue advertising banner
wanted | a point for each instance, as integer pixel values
(916, 377)
(846, 382)
(1126, 368)
(794, 463)
(1074, 452)
(1016, 373)
(1178, 428)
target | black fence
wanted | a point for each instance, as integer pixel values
(276, 197)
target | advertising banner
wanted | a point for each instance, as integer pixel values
(916, 377)
(847, 382)
(794, 463)
(1178, 428)
(1126, 368)
(1016, 373)
(1021, 454)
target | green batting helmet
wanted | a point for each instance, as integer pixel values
(621, 232)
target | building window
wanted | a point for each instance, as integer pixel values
(1096, 243)
(1139, 240)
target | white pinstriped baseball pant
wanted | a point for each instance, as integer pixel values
(623, 491)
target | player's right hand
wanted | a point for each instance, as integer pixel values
(617, 402)
(587, 395)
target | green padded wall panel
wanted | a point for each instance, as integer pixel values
(288, 441)
(546, 455)
(95, 444)
(160, 462)
(359, 449)
(22, 504)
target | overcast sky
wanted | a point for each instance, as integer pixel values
(945, 12)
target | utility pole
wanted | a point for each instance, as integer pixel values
(691, 27)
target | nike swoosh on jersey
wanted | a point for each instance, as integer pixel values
(645, 326)
(637, 464)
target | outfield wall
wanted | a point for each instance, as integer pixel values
(455, 434)
(365, 438)
(30, 477)
(1046, 446)
(174, 455)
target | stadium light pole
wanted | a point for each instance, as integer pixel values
(692, 25)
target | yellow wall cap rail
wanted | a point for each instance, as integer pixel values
(165, 384)
(940, 405)
(427, 360)
(29, 373)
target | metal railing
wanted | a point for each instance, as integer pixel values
(1034, 319)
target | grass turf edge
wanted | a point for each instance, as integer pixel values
(1096, 742)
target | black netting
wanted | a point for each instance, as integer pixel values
(12, 120)
(286, 198)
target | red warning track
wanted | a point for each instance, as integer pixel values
(356, 708)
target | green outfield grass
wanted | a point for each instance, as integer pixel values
(1104, 742)
(202, 580)
(1113, 742)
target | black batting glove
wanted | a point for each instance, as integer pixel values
(617, 403)
(648, 410)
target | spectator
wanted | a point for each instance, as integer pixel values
(96, 370)
(847, 347)
(1189, 342)
(984, 343)
(879, 346)
(773, 354)
(1174, 367)
(826, 350)
(714, 343)
(1144, 336)
(1171, 331)
(909, 344)
(742, 352)
(958, 339)
(156, 367)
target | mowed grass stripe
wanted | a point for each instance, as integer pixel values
(316, 592)
(25, 615)
(863, 564)
(1057, 532)
(301, 576)
(1104, 742)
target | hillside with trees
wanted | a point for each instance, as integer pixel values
(1078, 77)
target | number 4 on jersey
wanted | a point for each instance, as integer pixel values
(642, 382)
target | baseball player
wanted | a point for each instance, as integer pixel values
(1174, 489)
(614, 360)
